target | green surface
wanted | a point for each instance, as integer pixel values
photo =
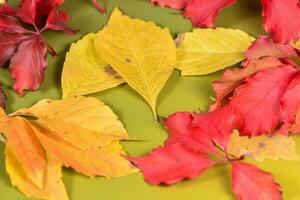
(180, 94)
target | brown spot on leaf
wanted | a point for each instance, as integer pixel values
(109, 70)
(128, 60)
(118, 77)
(179, 40)
(261, 145)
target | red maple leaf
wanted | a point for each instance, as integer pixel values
(26, 49)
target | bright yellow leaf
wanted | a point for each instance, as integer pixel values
(263, 147)
(85, 71)
(205, 51)
(141, 52)
(54, 188)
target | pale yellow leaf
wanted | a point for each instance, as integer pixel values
(297, 45)
(205, 51)
(278, 147)
(85, 71)
(54, 188)
(141, 52)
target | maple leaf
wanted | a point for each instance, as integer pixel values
(275, 13)
(89, 74)
(142, 53)
(265, 46)
(28, 67)
(249, 183)
(263, 147)
(203, 50)
(37, 148)
(172, 164)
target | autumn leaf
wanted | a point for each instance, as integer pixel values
(141, 52)
(206, 51)
(263, 147)
(88, 74)
(276, 13)
(249, 182)
(39, 145)
(172, 164)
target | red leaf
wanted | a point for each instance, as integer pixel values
(204, 12)
(171, 164)
(27, 11)
(251, 183)
(175, 4)
(181, 131)
(57, 21)
(282, 19)
(265, 46)
(233, 78)
(28, 65)
(11, 25)
(218, 125)
(8, 45)
(259, 98)
(3, 98)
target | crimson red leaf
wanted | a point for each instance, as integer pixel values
(181, 131)
(28, 64)
(218, 125)
(251, 183)
(57, 21)
(175, 4)
(204, 12)
(282, 19)
(171, 164)
(233, 78)
(11, 25)
(27, 11)
(259, 98)
(265, 46)
(8, 45)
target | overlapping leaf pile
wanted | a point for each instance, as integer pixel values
(22, 43)
(80, 132)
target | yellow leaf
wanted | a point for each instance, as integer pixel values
(54, 188)
(263, 147)
(141, 52)
(20, 138)
(85, 71)
(205, 51)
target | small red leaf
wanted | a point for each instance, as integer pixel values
(175, 4)
(282, 19)
(251, 183)
(28, 64)
(181, 131)
(171, 164)
(259, 98)
(233, 78)
(265, 46)
(204, 12)
(57, 21)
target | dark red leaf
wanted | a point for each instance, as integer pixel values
(28, 65)
(251, 183)
(11, 25)
(57, 20)
(257, 102)
(171, 164)
(203, 12)
(282, 19)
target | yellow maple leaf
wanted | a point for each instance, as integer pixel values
(85, 71)
(263, 147)
(78, 132)
(141, 52)
(205, 51)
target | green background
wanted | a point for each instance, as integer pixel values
(179, 94)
